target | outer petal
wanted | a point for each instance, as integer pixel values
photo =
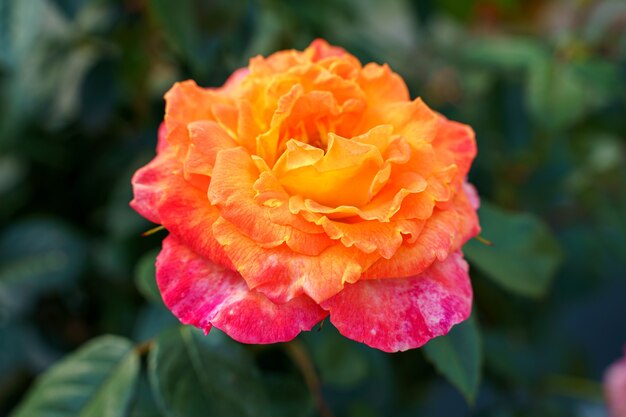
(320, 49)
(404, 313)
(186, 102)
(186, 212)
(380, 84)
(455, 143)
(149, 183)
(204, 294)
(615, 388)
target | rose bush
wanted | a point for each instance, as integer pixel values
(310, 185)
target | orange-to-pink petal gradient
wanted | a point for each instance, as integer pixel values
(310, 185)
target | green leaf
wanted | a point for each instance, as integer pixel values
(504, 54)
(43, 41)
(192, 375)
(37, 256)
(97, 380)
(458, 357)
(14, 187)
(143, 403)
(11, 346)
(145, 277)
(557, 97)
(342, 363)
(152, 320)
(524, 256)
(288, 395)
(178, 20)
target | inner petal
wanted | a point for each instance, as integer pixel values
(342, 176)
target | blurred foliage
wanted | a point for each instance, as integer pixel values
(543, 83)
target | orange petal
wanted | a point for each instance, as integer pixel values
(455, 144)
(343, 176)
(227, 116)
(207, 139)
(380, 84)
(382, 208)
(247, 126)
(234, 81)
(371, 236)
(267, 143)
(187, 214)
(282, 274)
(232, 189)
(415, 121)
(320, 49)
(444, 232)
(271, 194)
(186, 103)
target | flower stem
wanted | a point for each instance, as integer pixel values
(301, 358)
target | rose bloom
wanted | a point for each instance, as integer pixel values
(310, 186)
(615, 388)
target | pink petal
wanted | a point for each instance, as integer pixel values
(204, 294)
(615, 388)
(161, 135)
(149, 182)
(472, 195)
(404, 313)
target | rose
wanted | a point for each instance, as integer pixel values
(309, 185)
(615, 388)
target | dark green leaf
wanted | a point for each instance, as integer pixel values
(97, 380)
(524, 256)
(341, 362)
(143, 404)
(152, 320)
(505, 54)
(458, 357)
(37, 256)
(196, 375)
(178, 21)
(362, 409)
(145, 277)
(11, 346)
(556, 95)
(288, 395)
(14, 188)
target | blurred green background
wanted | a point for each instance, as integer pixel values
(543, 83)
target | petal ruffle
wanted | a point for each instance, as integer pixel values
(282, 274)
(444, 232)
(204, 294)
(186, 102)
(404, 313)
(232, 190)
